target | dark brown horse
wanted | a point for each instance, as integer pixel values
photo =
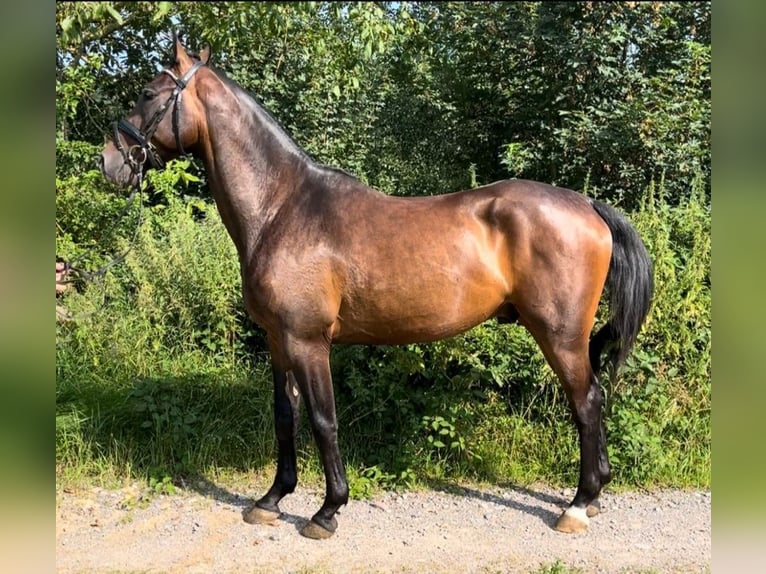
(325, 259)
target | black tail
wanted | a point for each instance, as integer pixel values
(630, 286)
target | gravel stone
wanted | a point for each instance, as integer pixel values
(468, 530)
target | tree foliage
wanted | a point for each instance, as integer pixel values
(410, 95)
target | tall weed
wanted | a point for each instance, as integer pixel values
(659, 414)
(155, 371)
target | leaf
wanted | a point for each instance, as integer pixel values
(66, 24)
(336, 91)
(114, 14)
(162, 9)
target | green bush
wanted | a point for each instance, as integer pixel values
(660, 410)
(155, 366)
(92, 217)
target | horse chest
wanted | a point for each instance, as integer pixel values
(290, 294)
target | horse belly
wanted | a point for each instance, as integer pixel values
(412, 307)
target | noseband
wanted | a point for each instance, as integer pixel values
(137, 155)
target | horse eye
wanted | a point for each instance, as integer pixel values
(149, 94)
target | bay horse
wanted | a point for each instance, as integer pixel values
(326, 259)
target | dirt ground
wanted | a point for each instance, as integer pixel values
(457, 529)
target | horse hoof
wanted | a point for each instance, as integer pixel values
(593, 509)
(316, 532)
(573, 521)
(258, 515)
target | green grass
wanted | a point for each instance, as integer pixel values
(560, 567)
(557, 567)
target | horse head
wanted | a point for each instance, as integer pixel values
(163, 124)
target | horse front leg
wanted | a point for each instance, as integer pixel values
(310, 362)
(286, 410)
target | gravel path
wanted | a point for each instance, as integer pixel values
(470, 529)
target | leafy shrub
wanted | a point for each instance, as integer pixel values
(660, 407)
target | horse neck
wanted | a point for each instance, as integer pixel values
(253, 168)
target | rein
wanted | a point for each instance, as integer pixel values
(136, 157)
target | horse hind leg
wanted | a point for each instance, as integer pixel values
(568, 357)
(586, 408)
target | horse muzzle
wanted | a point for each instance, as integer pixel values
(114, 167)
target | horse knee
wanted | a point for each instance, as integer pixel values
(283, 417)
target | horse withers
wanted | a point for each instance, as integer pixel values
(326, 259)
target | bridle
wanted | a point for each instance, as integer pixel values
(138, 154)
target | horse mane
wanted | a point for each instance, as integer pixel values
(265, 117)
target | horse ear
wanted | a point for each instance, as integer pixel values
(179, 52)
(204, 54)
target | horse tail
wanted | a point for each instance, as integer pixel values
(629, 285)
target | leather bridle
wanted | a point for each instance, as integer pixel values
(138, 154)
